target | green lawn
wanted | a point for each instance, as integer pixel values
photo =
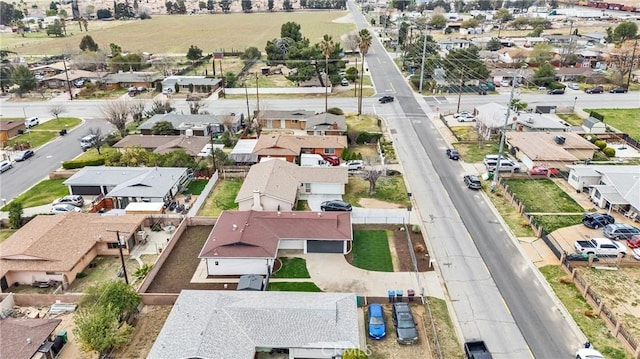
(44, 192)
(221, 198)
(302, 205)
(371, 250)
(543, 195)
(388, 189)
(292, 268)
(475, 152)
(59, 124)
(294, 287)
(363, 123)
(593, 327)
(196, 186)
(92, 153)
(571, 118)
(510, 215)
(553, 222)
(626, 120)
(35, 138)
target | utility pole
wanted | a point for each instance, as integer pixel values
(633, 61)
(496, 171)
(257, 94)
(66, 73)
(121, 243)
(460, 90)
(355, 83)
(246, 96)
(424, 53)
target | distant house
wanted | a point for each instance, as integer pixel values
(593, 125)
(314, 81)
(247, 242)
(610, 187)
(26, 338)
(283, 120)
(132, 79)
(512, 56)
(550, 149)
(491, 117)
(574, 73)
(498, 75)
(164, 144)
(200, 84)
(326, 124)
(129, 184)
(453, 44)
(57, 248)
(290, 147)
(276, 185)
(63, 80)
(242, 152)
(249, 325)
(194, 125)
(10, 129)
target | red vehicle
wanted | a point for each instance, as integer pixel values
(544, 171)
(634, 242)
(333, 160)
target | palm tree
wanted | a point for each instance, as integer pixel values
(364, 42)
(327, 47)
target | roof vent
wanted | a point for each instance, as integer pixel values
(234, 227)
(279, 213)
(28, 340)
(319, 214)
(559, 139)
(529, 120)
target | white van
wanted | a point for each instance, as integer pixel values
(506, 165)
(87, 141)
(31, 122)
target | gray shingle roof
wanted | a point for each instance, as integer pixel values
(151, 182)
(183, 122)
(229, 324)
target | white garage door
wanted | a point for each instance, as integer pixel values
(291, 244)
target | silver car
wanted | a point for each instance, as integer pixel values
(63, 208)
(74, 200)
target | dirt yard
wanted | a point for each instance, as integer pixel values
(148, 326)
(389, 347)
(620, 290)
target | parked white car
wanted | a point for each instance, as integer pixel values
(588, 353)
(354, 165)
(5, 166)
(63, 208)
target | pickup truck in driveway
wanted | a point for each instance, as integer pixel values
(476, 349)
(600, 247)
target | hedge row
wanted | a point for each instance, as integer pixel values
(69, 165)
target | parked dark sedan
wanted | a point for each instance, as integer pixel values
(556, 92)
(23, 155)
(597, 89)
(386, 99)
(335, 205)
(618, 90)
(404, 323)
(597, 220)
(453, 154)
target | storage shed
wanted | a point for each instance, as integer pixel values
(593, 125)
(144, 208)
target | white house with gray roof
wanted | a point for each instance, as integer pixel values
(200, 84)
(129, 184)
(242, 325)
(193, 125)
(610, 187)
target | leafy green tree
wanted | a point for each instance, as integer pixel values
(104, 14)
(270, 5)
(291, 30)
(545, 75)
(194, 53)
(55, 29)
(326, 46)
(494, 44)
(537, 31)
(503, 15)
(624, 31)
(364, 43)
(98, 329)
(246, 5)
(465, 64)
(115, 49)
(162, 128)
(130, 62)
(53, 6)
(351, 74)
(470, 23)
(178, 158)
(15, 214)
(121, 296)
(202, 5)
(230, 79)
(542, 52)
(25, 80)
(518, 105)
(437, 21)
(5, 70)
(250, 55)
(286, 5)
(6, 13)
(87, 44)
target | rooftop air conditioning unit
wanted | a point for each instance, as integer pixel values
(559, 139)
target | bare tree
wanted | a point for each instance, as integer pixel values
(116, 112)
(353, 136)
(98, 139)
(195, 106)
(163, 64)
(137, 109)
(227, 121)
(350, 40)
(56, 109)
(258, 122)
(372, 175)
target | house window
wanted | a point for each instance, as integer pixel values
(307, 187)
(329, 151)
(294, 121)
(53, 273)
(574, 178)
(215, 263)
(112, 245)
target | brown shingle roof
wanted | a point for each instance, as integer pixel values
(540, 146)
(22, 337)
(257, 233)
(9, 125)
(56, 243)
(164, 144)
(286, 145)
(280, 179)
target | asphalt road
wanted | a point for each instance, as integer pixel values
(47, 158)
(504, 302)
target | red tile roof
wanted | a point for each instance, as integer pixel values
(257, 234)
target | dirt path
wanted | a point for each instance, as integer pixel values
(150, 322)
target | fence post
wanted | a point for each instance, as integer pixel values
(637, 354)
(600, 306)
(563, 257)
(574, 272)
(617, 329)
(586, 288)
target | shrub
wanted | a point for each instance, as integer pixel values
(368, 137)
(415, 228)
(335, 111)
(419, 248)
(601, 144)
(142, 271)
(565, 280)
(68, 165)
(609, 152)
(81, 275)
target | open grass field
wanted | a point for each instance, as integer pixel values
(371, 250)
(626, 120)
(363, 123)
(388, 189)
(543, 195)
(235, 31)
(552, 222)
(475, 152)
(510, 215)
